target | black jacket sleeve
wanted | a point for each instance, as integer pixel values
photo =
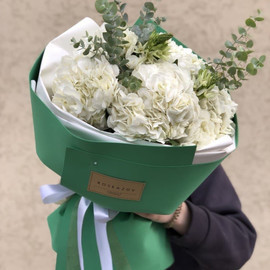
(220, 236)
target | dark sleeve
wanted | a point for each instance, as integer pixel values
(220, 236)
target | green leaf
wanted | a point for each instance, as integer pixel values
(124, 62)
(229, 63)
(118, 50)
(106, 36)
(101, 5)
(234, 37)
(254, 61)
(250, 22)
(232, 71)
(262, 58)
(150, 6)
(241, 42)
(109, 27)
(258, 19)
(228, 44)
(118, 33)
(113, 41)
(249, 44)
(125, 17)
(149, 16)
(251, 69)
(228, 55)
(242, 31)
(122, 7)
(86, 52)
(76, 45)
(217, 61)
(242, 56)
(112, 8)
(222, 53)
(241, 74)
(108, 18)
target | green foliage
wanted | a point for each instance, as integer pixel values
(147, 17)
(113, 43)
(156, 47)
(207, 78)
(235, 65)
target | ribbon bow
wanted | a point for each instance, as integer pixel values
(55, 193)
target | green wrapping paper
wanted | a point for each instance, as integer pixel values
(164, 172)
(136, 243)
(154, 172)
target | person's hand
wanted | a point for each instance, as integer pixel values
(180, 223)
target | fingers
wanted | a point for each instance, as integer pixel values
(156, 217)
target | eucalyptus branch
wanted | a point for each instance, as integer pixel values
(112, 44)
(147, 17)
(235, 65)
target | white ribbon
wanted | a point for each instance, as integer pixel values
(55, 193)
(102, 216)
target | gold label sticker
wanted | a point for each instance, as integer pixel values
(114, 187)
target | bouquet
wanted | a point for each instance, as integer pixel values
(133, 121)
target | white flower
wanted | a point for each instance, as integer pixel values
(184, 109)
(134, 61)
(220, 106)
(166, 79)
(126, 116)
(132, 40)
(186, 59)
(85, 87)
(215, 119)
(161, 110)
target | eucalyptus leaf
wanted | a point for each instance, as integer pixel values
(241, 74)
(251, 69)
(250, 22)
(242, 31)
(101, 5)
(112, 8)
(109, 27)
(217, 61)
(234, 37)
(262, 58)
(242, 56)
(122, 7)
(86, 52)
(232, 71)
(249, 44)
(150, 6)
(125, 17)
(228, 44)
(259, 19)
(254, 61)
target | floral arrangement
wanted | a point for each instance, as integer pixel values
(140, 84)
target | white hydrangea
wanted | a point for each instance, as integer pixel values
(161, 110)
(164, 108)
(186, 59)
(85, 87)
(215, 119)
(126, 116)
(132, 40)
